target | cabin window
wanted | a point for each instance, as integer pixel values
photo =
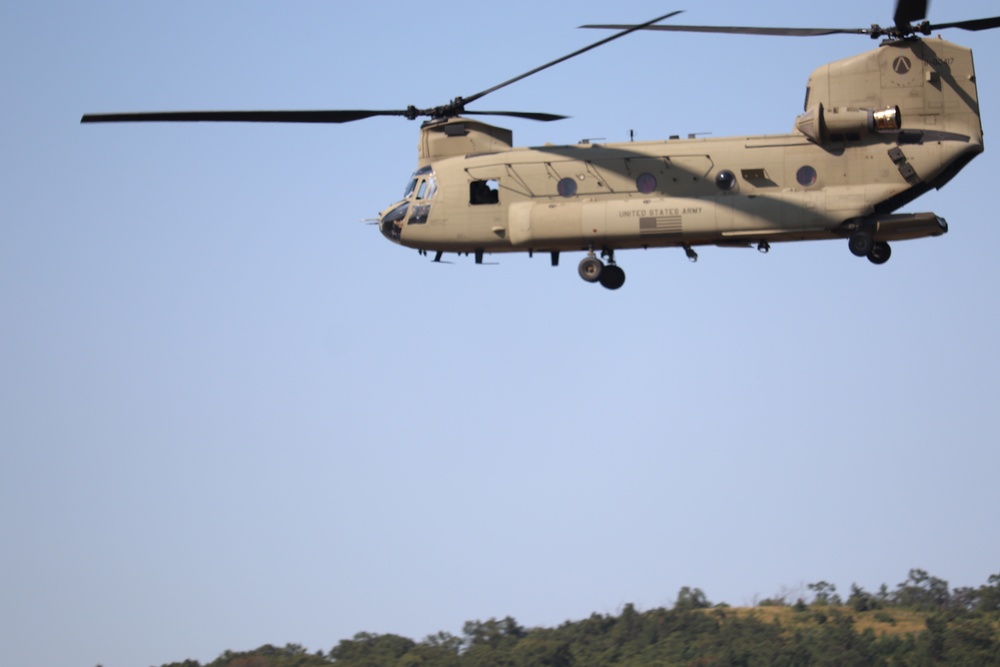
(725, 180)
(645, 183)
(806, 176)
(484, 192)
(567, 187)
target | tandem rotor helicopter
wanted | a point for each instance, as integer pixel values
(878, 130)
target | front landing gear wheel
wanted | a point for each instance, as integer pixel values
(591, 269)
(613, 276)
(880, 253)
(861, 244)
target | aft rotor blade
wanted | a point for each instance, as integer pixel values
(343, 116)
(625, 31)
(738, 30)
(912, 11)
(975, 24)
(909, 11)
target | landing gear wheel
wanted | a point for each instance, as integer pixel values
(612, 277)
(880, 253)
(591, 269)
(861, 244)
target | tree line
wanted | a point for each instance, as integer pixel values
(954, 626)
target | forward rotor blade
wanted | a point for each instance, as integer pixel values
(516, 114)
(975, 24)
(239, 116)
(625, 31)
(739, 30)
(451, 109)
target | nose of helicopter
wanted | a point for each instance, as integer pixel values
(391, 223)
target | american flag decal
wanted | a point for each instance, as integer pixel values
(666, 224)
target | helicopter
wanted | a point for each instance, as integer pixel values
(877, 131)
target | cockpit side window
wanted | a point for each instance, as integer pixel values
(421, 176)
(484, 192)
(427, 188)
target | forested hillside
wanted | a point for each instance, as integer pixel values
(920, 622)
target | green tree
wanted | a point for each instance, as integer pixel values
(825, 593)
(922, 592)
(536, 650)
(861, 600)
(989, 595)
(367, 649)
(972, 641)
(492, 632)
(691, 598)
(962, 629)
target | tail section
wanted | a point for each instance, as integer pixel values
(932, 82)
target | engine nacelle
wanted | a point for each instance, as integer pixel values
(460, 136)
(825, 126)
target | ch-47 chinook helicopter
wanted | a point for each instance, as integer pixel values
(878, 130)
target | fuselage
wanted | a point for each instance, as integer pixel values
(879, 129)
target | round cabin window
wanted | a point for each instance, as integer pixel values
(645, 183)
(806, 176)
(567, 187)
(725, 180)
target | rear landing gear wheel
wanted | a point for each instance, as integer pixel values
(613, 276)
(591, 269)
(880, 253)
(861, 244)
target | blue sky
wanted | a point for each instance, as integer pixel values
(232, 414)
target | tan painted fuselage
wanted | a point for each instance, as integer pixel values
(879, 129)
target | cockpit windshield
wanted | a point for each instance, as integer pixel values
(410, 187)
(422, 184)
(414, 208)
